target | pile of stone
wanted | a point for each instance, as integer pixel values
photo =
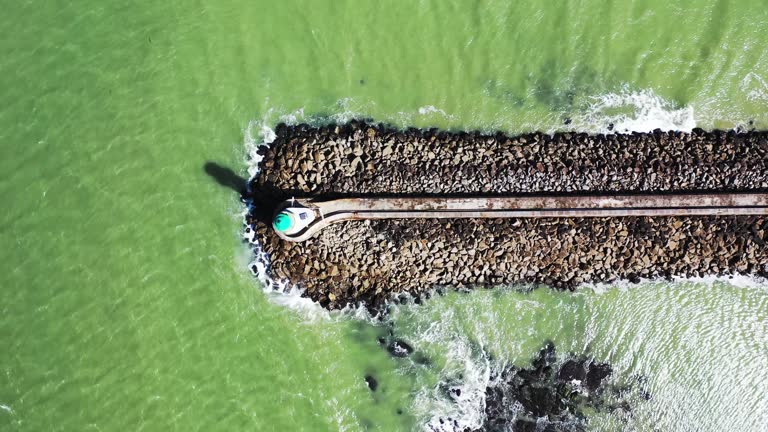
(367, 262)
(554, 395)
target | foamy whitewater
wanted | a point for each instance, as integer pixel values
(633, 111)
(755, 87)
(472, 337)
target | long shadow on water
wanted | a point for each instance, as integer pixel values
(262, 201)
(227, 178)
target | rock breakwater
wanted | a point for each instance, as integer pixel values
(367, 262)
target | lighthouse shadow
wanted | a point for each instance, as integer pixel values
(227, 178)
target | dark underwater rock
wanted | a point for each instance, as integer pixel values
(572, 370)
(399, 348)
(372, 383)
(597, 372)
(547, 397)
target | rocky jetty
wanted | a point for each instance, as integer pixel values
(367, 262)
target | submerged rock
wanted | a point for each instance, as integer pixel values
(524, 425)
(372, 383)
(572, 370)
(399, 348)
(548, 397)
(597, 372)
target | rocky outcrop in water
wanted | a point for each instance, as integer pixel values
(554, 396)
(367, 262)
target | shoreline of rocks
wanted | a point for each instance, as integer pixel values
(369, 262)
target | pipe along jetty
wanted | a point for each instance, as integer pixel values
(360, 212)
(298, 220)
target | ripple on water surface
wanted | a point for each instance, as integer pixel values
(698, 347)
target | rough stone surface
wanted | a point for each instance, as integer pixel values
(539, 398)
(367, 262)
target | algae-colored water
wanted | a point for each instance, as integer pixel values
(125, 299)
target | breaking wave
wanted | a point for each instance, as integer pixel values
(633, 111)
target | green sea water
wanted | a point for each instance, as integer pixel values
(125, 297)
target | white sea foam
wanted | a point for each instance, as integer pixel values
(466, 367)
(464, 412)
(736, 280)
(6, 408)
(633, 111)
(754, 87)
(346, 110)
(257, 134)
(431, 109)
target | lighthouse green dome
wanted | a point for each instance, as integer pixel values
(282, 222)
